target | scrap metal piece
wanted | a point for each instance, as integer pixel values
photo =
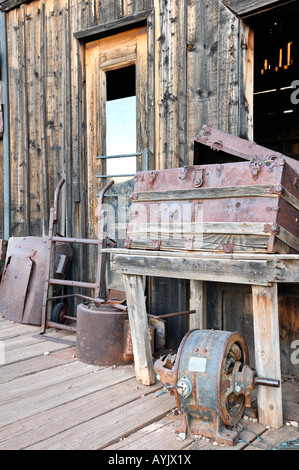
(15, 281)
(21, 289)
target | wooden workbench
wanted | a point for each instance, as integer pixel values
(263, 272)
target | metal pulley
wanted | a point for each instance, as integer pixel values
(212, 382)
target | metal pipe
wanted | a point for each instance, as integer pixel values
(266, 382)
(61, 282)
(169, 315)
(101, 240)
(61, 326)
(6, 120)
(85, 241)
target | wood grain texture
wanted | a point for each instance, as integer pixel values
(267, 353)
(249, 7)
(188, 75)
(139, 329)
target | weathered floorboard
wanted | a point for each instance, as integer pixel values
(52, 401)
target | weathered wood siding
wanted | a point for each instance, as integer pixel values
(199, 70)
(194, 57)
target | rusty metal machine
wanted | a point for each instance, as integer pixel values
(212, 382)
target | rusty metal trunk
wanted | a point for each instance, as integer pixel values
(245, 206)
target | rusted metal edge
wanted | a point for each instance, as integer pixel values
(56, 340)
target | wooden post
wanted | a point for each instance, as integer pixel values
(139, 329)
(267, 353)
(198, 320)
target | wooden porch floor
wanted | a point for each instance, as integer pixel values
(51, 401)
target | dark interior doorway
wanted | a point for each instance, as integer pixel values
(276, 80)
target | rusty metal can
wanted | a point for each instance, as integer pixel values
(100, 338)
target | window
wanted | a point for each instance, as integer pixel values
(121, 122)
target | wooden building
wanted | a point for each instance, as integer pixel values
(186, 63)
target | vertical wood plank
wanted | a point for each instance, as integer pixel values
(141, 89)
(267, 353)
(167, 84)
(45, 201)
(202, 69)
(33, 54)
(139, 329)
(246, 67)
(25, 124)
(15, 54)
(228, 71)
(198, 299)
(151, 90)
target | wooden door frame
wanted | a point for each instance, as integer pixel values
(83, 37)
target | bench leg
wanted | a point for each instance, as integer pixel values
(198, 320)
(267, 353)
(139, 329)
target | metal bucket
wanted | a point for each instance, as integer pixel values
(101, 335)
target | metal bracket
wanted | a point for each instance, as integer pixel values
(217, 145)
(199, 177)
(156, 244)
(190, 242)
(274, 230)
(255, 166)
(152, 176)
(279, 189)
(228, 247)
(183, 172)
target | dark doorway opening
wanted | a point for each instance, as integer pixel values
(276, 80)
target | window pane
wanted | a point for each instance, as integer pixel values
(121, 135)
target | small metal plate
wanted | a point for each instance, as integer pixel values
(197, 364)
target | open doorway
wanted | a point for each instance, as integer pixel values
(276, 80)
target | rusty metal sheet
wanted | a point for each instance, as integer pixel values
(14, 284)
(23, 280)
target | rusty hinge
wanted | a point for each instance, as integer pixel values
(199, 177)
(273, 230)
